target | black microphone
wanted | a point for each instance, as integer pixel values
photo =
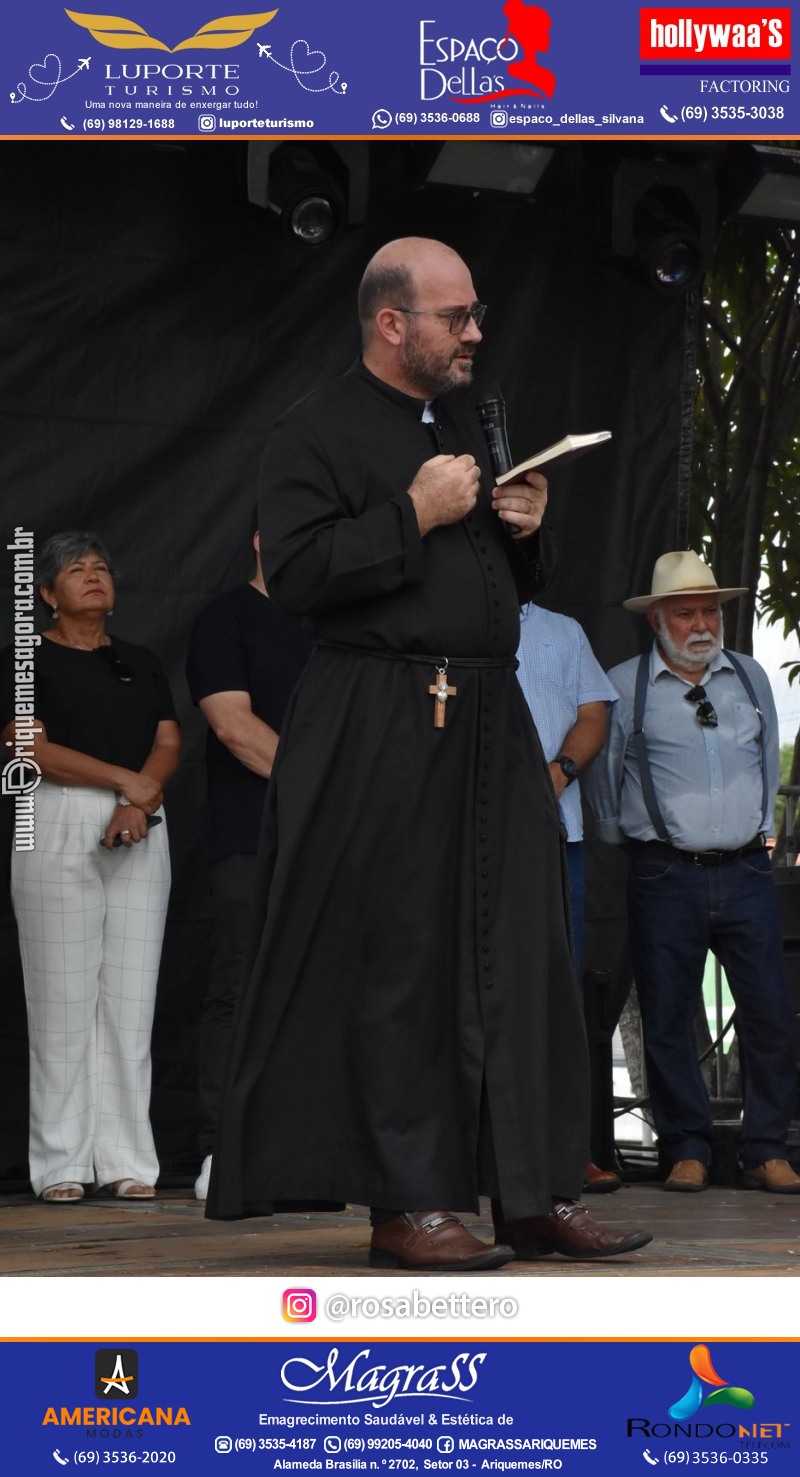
(492, 412)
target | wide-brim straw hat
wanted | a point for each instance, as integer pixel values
(682, 573)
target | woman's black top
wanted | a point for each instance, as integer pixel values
(84, 704)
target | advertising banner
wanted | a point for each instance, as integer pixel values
(397, 1408)
(493, 68)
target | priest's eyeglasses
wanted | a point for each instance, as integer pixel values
(457, 320)
(705, 710)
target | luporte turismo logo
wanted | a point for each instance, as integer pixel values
(127, 35)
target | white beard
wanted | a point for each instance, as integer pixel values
(685, 656)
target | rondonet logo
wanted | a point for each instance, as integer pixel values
(359, 1382)
(707, 1388)
(724, 34)
(128, 35)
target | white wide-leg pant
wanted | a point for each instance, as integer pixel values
(91, 924)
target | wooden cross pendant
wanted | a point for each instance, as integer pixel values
(441, 692)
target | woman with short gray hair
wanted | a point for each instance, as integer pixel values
(90, 897)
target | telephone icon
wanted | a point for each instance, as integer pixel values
(70, 127)
(665, 113)
(653, 1460)
(59, 1458)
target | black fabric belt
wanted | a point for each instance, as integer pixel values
(419, 658)
(661, 850)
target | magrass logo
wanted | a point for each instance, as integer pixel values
(704, 1375)
(116, 1374)
(127, 35)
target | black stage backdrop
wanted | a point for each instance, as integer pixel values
(154, 324)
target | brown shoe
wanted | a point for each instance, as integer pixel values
(570, 1230)
(433, 1241)
(776, 1175)
(598, 1181)
(688, 1175)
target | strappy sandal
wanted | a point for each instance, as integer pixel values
(65, 1193)
(129, 1190)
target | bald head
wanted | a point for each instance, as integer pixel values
(409, 292)
(394, 273)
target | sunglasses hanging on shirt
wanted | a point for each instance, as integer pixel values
(111, 658)
(705, 710)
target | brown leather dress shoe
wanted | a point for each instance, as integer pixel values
(570, 1230)
(688, 1175)
(433, 1241)
(776, 1176)
(598, 1181)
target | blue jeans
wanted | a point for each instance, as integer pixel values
(678, 912)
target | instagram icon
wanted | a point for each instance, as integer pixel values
(299, 1305)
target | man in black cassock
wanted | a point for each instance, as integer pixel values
(410, 1033)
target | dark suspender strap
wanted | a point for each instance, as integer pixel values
(750, 690)
(640, 747)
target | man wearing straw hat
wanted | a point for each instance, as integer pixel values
(687, 782)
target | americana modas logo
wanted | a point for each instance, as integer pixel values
(128, 35)
(707, 1388)
(116, 1374)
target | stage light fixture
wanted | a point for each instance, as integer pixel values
(763, 183)
(664, 219)
(305, 197)
(311, 192)
(501, 167)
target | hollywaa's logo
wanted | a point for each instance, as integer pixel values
(217, 35)
(718, 33)
(527, 36)
(704, 1374)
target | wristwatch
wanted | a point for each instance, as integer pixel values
(567, 766)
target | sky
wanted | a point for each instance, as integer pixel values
(771, 649)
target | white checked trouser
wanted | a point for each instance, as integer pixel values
(91, 923)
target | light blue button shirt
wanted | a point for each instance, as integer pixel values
(558, 673)
(708, 781)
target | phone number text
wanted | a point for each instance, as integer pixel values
(437, 117)
(100, 125)
(695, 1458)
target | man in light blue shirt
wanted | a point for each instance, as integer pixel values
(687, 782)
(569, 696)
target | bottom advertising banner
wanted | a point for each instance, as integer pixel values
(381, 1406)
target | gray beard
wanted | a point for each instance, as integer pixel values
(429, 380)
(682, 656)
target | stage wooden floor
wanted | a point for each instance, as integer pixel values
(727, 1232)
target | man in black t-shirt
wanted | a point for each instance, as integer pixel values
(244, 659)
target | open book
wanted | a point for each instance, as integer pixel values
(553, 456)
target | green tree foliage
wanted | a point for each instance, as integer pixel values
(746, 478)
